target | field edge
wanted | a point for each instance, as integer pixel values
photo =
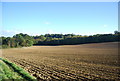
(19, 70)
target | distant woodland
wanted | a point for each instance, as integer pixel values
(25, 40)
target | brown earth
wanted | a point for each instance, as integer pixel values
(97, 61)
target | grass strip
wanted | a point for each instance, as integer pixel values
(19, 70)
(6, 72)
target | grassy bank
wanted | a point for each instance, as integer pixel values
(10, 71)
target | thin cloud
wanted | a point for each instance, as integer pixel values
(52, 32)
(10, 33)
(47, 22)
(105, 25)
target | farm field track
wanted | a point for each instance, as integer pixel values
(97, 61)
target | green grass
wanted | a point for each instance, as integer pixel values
(9, 70)
(7, 73)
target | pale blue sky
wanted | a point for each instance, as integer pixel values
(35, 18)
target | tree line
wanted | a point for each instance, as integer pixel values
(24, 40)
(18, 40)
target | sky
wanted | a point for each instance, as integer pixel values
(36, 18)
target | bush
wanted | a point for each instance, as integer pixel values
(5, 46)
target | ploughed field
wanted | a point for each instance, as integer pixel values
(97, 61)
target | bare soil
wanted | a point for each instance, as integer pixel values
(97, 61)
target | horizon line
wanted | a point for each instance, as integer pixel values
(58, 33)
